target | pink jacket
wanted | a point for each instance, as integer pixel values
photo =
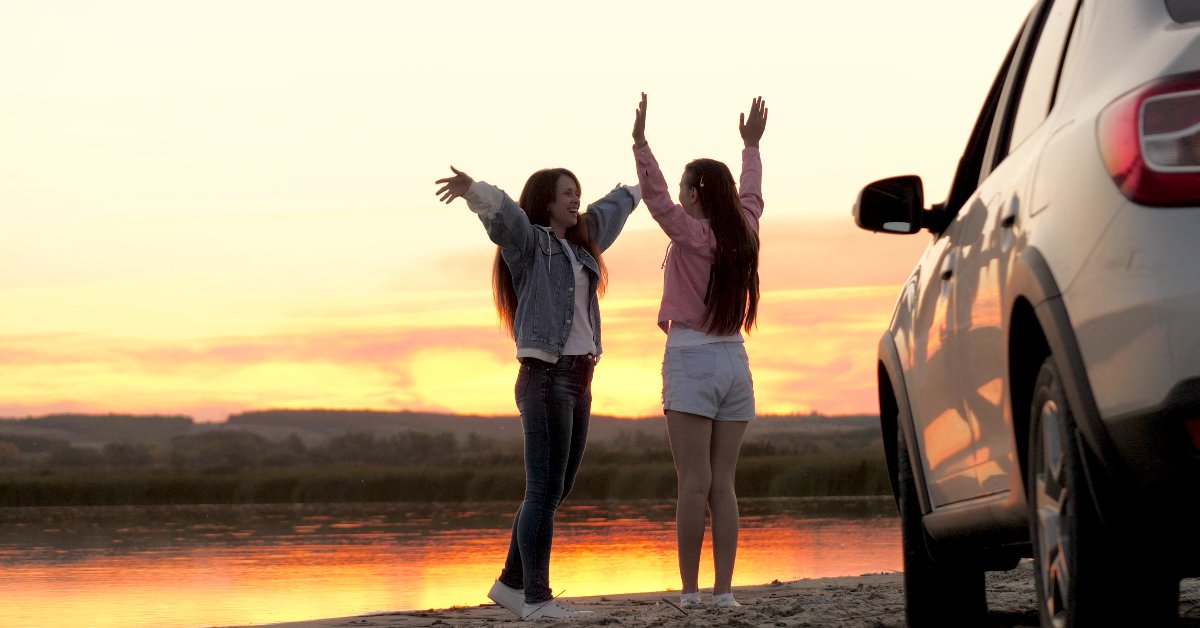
(692, 242)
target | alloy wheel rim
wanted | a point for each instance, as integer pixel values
(1053, 499)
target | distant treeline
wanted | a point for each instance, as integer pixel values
(793, 457)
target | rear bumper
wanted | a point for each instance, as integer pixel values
(1155, 445)
(1156, 494)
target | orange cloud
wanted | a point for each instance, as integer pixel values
(827, 296)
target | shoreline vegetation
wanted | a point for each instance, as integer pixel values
(320, 456)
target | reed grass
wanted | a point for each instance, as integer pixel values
(609, 477)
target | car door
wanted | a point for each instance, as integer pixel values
(943, 437)
(986, 237)
(946, 434)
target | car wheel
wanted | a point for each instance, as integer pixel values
(1086, 576)
(936, 592)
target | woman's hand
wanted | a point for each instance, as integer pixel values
(455, 187)
(752, 129)
(639, 124)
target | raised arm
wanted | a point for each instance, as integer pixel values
(639, 124)
(505, 222)
(750, 183)
(681, 228)
(752, 130)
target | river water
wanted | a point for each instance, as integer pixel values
(200, 566)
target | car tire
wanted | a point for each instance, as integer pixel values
(1086, 575)
(936, 592)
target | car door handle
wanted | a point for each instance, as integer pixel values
(1009, 217)
(947, 269)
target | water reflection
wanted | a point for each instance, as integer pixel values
(237, 565)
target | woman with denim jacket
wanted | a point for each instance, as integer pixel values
(547, 276)
(710, 293)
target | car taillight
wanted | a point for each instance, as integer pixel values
(1193, 428)
(1150, 142)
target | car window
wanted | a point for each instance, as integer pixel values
(970, 165)
(1041, 79)
(1070, 56)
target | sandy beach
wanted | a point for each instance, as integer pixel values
(866, 601)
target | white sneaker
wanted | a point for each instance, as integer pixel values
(725, 600)
(551, 608)
(509, 598)
(690, 600)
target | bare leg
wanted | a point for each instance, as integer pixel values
(691, 441)
(722, 500)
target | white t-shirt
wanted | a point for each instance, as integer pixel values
(683, 336)
(581, 340)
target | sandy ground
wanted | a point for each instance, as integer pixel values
(867, 601)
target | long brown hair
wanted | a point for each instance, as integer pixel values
(536, 197)
(731, 301)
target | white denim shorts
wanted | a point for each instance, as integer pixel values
(711, 380)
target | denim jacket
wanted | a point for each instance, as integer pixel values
(541, 271)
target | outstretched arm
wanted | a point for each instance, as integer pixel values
(608, 215)
(505, 222)
(455, 186)
(752, 129)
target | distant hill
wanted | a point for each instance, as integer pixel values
(92, 430)
(33, 434)
(319, 424)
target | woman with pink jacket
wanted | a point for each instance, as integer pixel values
(710, 294)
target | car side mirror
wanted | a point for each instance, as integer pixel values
(893, 205)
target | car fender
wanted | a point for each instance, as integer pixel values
(1030, 279)
(890, 367)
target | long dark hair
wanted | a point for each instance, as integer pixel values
(732, 296)
(536, 197)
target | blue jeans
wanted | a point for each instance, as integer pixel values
(555, 401)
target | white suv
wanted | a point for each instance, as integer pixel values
(1039, 383)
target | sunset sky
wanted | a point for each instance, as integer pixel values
(220, 206)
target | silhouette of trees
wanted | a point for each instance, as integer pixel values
(235, 463)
